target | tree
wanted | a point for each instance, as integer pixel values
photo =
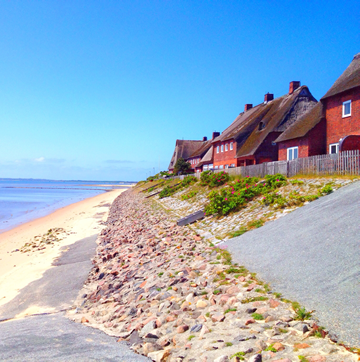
(181, 166)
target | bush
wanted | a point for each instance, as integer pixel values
(275, 181)
(208, 178)
(186, 182)
(326, 190)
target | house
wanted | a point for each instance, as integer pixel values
(304, 138)
(342, 110)
(250, 138)
(195, 158)
(191, 151)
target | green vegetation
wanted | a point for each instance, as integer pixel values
(228, 344)
(181, 166)
(254, 299)
(303, 359)
(216, 291)
(239, 355)
(271, 348)
(189, 195)
(243, 190)
(186, 182)
(257, 316)
(239, 232)
(208, 178)
(326, 190)
(230, 310)
(191, 337)
(160, 274)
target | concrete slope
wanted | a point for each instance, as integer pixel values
(312, 255)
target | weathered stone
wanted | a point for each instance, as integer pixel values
(196, 328)
(317, 358)
(160, 356)
(182, 329)
(201, 304)
(223, 358)
(255, 358)
(301, 345)
(278, 346)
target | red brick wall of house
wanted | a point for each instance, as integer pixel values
(313, 143)
(317, 139)
(227, 157)
(302, 143)
(337, 126)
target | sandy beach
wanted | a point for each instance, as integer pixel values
(78, 221)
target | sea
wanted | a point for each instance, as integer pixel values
(23, 200)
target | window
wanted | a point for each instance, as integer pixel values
(231, 145)
(205, 167)
(292, 153)
(226, 166)
(346, 109)
(261, 125)
(216, 167)
(222, 148)
(217, 149)
(232, 165)
(221, 167)
(334, 148)
(211, 166)
(226, 147)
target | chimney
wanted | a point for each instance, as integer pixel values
(215, 134)
(268, 97)
(248, 106)
(204, 139)
(293, 86)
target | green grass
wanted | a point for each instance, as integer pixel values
(228, 344)
(254, 299)
(161, 274)
(216, 291)
(257, 316)
(230, 310)
(271, 348)
(239, 355)
(191, 337)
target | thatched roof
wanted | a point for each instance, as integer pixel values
(276, 116)
(184, 149)
(305, 123)
(208, 157)
(202, 149)
(348, 80)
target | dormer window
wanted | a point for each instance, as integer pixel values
(346, 109)
(261, 125)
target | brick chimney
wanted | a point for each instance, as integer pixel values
(204, 139)
(248, 106)
(293, 86)
(215, 134)
(268, 97)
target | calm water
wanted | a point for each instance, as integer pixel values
(22, 200)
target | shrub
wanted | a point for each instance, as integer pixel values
(275, 181)
(186, 182)
(208, 178)
(189, 195)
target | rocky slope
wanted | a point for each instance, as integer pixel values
(173, 297)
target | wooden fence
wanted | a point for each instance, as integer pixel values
(344, 163)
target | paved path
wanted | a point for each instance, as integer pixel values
(53, 337)
(312, 256)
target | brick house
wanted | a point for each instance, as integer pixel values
(191, 151)
(342, 110)
(306, 137)
(250, 138)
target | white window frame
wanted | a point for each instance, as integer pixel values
(292, 149)
(231, 146)
(343, 109)
(216, 167)
(226, 147)
(337, 148)
(232, 165)
(210, 166)
(226, 166)
(217, 149)
(222, 148)
(221, 167)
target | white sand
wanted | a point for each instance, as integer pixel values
(81, 219)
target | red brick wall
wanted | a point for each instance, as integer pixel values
(313, 143)
(337, 126)
(302, 143)
(226, 157)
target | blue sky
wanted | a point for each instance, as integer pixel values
(100, 90)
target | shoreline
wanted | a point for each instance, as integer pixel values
(75, 222)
